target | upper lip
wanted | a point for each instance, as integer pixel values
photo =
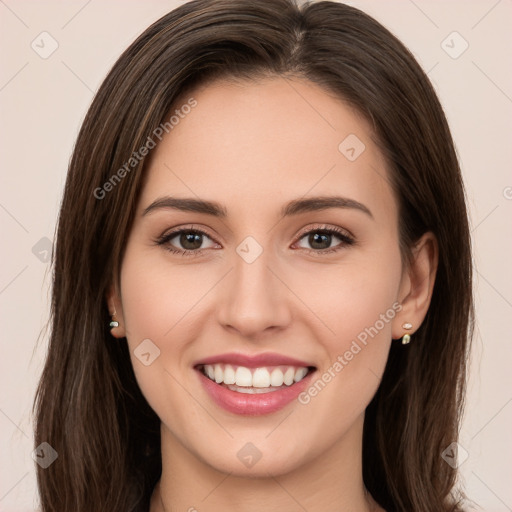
(253, 361)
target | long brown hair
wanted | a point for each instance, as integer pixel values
(89, 407)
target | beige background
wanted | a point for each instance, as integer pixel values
(43, 101)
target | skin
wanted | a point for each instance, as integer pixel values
(252, 147)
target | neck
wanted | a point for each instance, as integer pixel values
(329, 481)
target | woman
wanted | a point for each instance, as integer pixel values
(262, 278)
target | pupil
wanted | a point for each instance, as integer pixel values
(316, 240)
(190, 241)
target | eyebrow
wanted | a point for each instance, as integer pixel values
(294, 207)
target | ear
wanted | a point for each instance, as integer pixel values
(115, 309)
(417, 285)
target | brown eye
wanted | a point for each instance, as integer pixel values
(322, 240)
(190, 240)
(185, 241)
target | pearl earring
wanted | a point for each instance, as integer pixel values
(406, 338)
(114, 323)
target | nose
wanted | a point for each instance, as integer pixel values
(254, 299)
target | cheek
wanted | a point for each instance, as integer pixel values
(158, 297)
(353, 298)
(358, 304)
(153, 304)
(164, 303)
(365, 311)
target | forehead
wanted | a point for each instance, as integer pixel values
(263, 143)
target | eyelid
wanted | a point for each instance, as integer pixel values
(324, 227)
(187, 227)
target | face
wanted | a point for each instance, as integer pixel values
(267, 285)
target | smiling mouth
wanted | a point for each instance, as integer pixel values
(266, 379)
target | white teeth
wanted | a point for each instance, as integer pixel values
(229, 375)
(276, 377)
(288, 376)
(242, 377)
(300, 373)
(261, 378)
(252, 391)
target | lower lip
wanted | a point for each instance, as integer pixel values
(253, 404)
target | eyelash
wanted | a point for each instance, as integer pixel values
(346, 240)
